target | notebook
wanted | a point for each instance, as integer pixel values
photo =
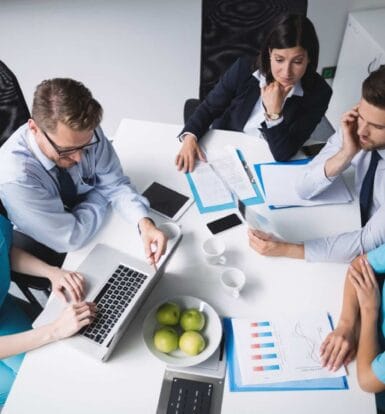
(279, 179)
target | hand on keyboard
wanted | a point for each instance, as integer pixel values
(73, 318)
(65, 283)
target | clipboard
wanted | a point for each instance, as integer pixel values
(257, 199)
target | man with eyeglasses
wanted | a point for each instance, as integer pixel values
(59, 173)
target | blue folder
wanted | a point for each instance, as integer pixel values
(257, 168)
(258, 199)
(339, 383)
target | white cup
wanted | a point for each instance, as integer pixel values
(233, 281)
(214, 250)
(170, 230)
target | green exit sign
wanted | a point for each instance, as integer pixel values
(329, 72)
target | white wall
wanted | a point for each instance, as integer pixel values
(329, 18)
(140, 58)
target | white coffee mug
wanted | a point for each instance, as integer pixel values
(232, 281)
(213, 250)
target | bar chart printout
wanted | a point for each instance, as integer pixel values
(271, 350)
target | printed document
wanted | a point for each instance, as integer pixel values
(272, 350)
(211, 188)
(229, 167)
(216, 184)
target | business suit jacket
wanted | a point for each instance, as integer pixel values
(230, 103)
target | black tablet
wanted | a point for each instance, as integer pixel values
(167, 202)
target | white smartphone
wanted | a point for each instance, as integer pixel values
(258, 222)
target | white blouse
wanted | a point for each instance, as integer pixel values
(257, 115)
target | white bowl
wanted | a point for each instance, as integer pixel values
(212, 333)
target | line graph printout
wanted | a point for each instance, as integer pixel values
(282, 348)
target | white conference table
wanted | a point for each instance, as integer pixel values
(58, 379)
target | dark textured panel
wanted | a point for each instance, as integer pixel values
(13, 109)
(231, 28)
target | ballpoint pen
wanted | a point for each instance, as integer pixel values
(245, 166)
(155, 266)
(247, 170)
(152, 259)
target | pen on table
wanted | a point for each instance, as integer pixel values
(248, 172)
(245, 166)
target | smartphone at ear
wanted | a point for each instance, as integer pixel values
(224, 223)
(312, 150)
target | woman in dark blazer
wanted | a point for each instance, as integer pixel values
(279, 95)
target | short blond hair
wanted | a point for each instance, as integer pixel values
(68, 101)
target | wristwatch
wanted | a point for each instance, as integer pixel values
(272, 117)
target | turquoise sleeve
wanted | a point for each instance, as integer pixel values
(378, 367)
(376, 258)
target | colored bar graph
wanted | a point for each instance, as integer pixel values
(265, 345)
(261, 334)
(266, 368)
(264, 356)
(259, 324)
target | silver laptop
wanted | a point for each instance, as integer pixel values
(118, 283)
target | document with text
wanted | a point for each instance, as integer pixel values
(224, 176)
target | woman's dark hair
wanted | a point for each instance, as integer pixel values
(290, 31)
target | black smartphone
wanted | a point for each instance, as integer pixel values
(224, 223)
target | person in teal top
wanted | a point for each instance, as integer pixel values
(16, 334)
(361, 327)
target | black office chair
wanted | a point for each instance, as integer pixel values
(13, 113)
(232, 28)
(13, 108)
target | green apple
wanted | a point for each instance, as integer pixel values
(192, 320)
(166, 339)
(192, 343)
(168, 313)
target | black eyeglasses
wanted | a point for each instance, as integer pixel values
(68, 151)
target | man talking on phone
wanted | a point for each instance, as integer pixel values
(360, 144)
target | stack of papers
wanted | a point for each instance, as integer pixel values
(279, 353)
(279, 183)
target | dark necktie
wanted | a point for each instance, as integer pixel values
(67, 188)
(366, 193)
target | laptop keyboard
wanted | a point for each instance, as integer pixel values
(112, 301)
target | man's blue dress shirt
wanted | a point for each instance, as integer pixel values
(30, 193)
